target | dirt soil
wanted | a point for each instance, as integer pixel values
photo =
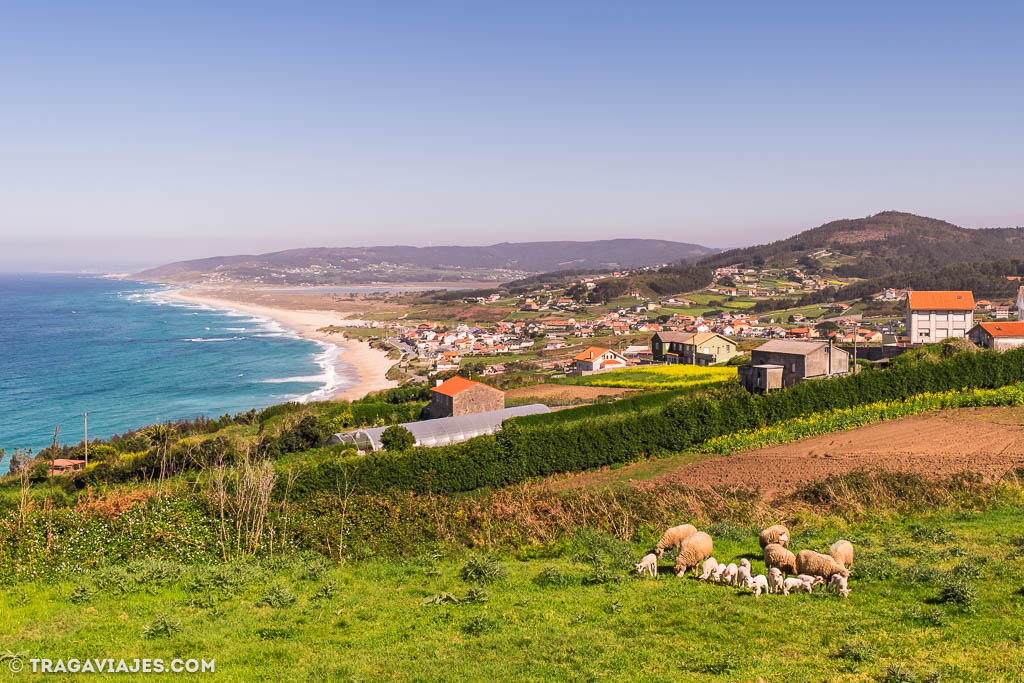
(565, 392)
(989, 441)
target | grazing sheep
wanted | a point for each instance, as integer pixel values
(744, 572)
(794, 584)
(693, 551)
(729, 576)
(757, 584)
(837, 584)
(775, 580)
(777, 556)
(842, 551)
(716, 575)
(709, 567)
(811, 581)
(774, 534)
(648, 564)
(816, 564)
(673, 538)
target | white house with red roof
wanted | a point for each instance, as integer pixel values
(599, 359)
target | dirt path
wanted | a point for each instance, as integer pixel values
(989, 441)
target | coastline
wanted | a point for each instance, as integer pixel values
(370, 365)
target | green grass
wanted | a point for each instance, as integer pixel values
(570, 612)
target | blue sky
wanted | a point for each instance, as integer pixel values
(144, 132)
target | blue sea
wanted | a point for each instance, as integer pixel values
(131, 356)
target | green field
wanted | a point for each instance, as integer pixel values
(936, 599)
(658, 377)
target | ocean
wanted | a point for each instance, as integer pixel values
(131, 356)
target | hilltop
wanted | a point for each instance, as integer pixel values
(360, 265)
(876, 245)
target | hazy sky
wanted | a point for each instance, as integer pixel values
(144, 132)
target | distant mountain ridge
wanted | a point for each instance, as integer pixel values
(884, 243)
(360, 265)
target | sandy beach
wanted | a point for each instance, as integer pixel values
(368, 365)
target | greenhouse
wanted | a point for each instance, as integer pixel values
(441, 431)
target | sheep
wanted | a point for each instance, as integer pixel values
(838, 585)
(648, 564)
(708, 568)
(729, 577)
(816, 564)
(811, 581)
(777, 556)
(775, 580)
(716, 575)
(694, 549)
(794, 584)
(757, 584)
(774, 534)
(744, 572)
(673, 538)
(842, 551)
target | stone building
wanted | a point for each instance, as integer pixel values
(782, 363)
(1000, 336)
(461, 396)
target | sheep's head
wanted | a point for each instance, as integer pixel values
(680, 570)
(784, 539)
(659, 552)
(845, 592)
(843, 572)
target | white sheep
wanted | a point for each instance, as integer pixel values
(816, 564)
(716, 575)
(837, 584)
(811, 581)
(777, 556)
(693, 551)
(842, 551)
(648, 564)
(673, 538)
(794, 584)
(709, 567)
(744, 572)
(774, 534)
(757, 584)
(775, 580)
(729, 577)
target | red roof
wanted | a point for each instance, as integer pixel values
(61, 462)
(592, 353)
(1010, 329)
(456, 385)
(942, 301)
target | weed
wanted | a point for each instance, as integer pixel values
(876, 567)
(325, 592)
(479, 625)
(714, 662)
(602, 575)
(552, 577)
(931, 534)
(274, 633)
(482, 569)
(475, 595)
(277, 597)
(928, 615)
(899, 673)
(314, 569)
(959, 593)
(82, 593)
(161, 627)
(856, 651)
(440, 599)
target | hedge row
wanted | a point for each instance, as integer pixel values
(520, 452)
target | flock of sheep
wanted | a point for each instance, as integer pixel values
(786, 572)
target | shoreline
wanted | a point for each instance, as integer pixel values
(370, 365)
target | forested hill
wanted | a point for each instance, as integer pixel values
(885, 243)
(354, 265)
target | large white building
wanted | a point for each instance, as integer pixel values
(934, 316)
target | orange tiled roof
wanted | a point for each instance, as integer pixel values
(1010, 329)
(456, 385)
(591, 353)
(942, 300)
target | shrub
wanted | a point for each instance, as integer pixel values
(161, 627)
(960, 593)
(479, 625)
(276, 596)
(552, 577)
(396, 439)
(856, 651)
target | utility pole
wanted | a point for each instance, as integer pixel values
(86, 416)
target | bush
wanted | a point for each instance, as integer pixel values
(397, 439)
(960, 593)
(482, 569)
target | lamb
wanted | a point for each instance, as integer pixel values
(673, 538)
(744, 572)
(838, 584)
(842, 551)
(811, 581)
(816, 564)
(775, 580)
(777, 556)
(716, 576)
(694, 549)
(729, 576)
(774, 534)
(709, 567)
(757, 584)
(793, 583)
(648, 564)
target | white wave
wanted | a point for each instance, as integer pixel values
(211, 339)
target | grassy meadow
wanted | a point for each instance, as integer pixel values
(939, 598)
